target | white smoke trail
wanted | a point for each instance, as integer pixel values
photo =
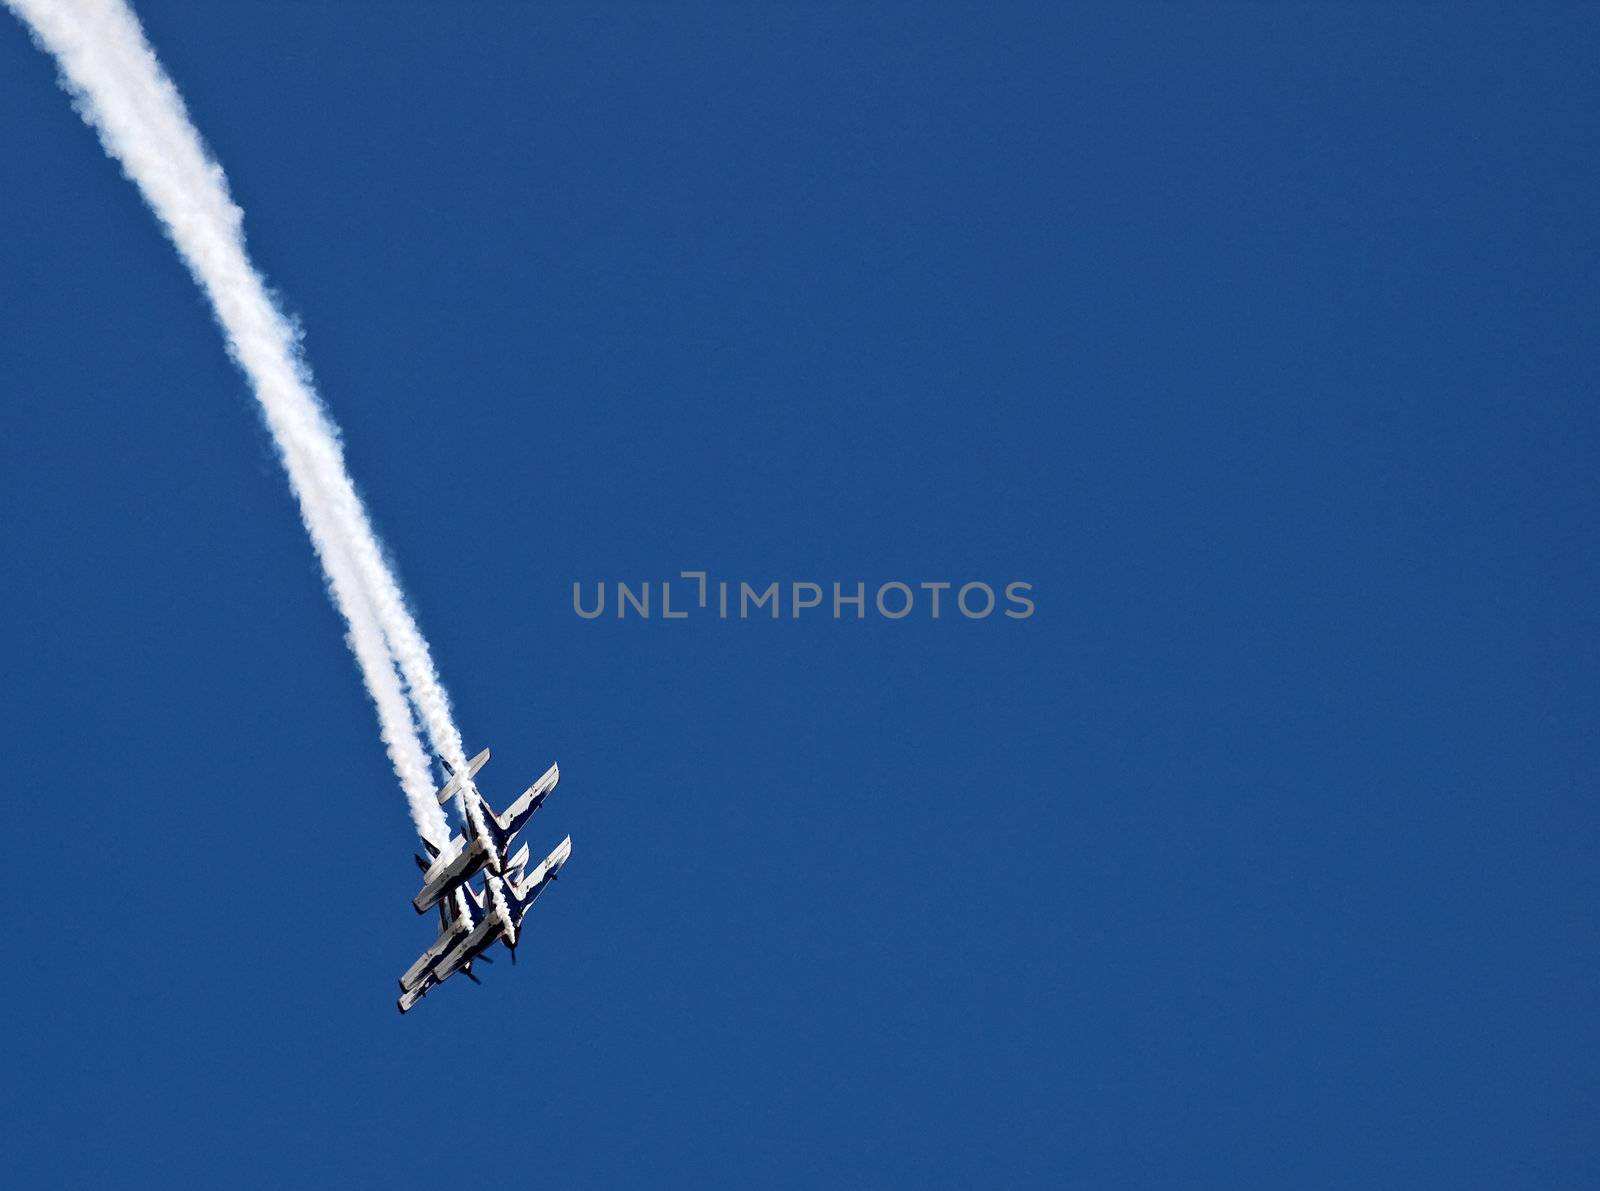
(121, 91)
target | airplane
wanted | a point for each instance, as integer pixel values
(470, 922)
(486, 836)
(459, 912)
(504, 904)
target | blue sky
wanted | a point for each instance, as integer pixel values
(1258, 339)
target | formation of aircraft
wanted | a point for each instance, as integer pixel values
(474, 919)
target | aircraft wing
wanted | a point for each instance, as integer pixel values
(409, 998)
(426, 962)
(525, 892)
(448, 872)
(519, 812)
(459, 915)
(551, 864)
(464, 948)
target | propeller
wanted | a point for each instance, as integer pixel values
(471, 975)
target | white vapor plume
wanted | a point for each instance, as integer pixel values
(122, 92)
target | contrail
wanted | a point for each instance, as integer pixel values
(121, 91)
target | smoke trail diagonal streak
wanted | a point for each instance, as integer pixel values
(122, 92)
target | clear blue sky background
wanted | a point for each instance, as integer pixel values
(1261, 340)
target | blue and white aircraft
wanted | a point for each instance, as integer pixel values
(471, 922)
(485, 839)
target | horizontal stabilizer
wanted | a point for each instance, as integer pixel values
(454, 784)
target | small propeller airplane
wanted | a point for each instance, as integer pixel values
(486, 836)
(471, 921)
(458, 914)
